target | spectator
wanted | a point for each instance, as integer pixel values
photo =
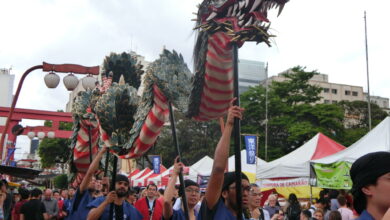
(84, 194)
(3, 197)
(220, 198)
(334, 215)
(294, 207)
(254, 204)
(192, 193)
(24, 194)
(279, 215)
(305, 215)
(132, 197)
(346, 213)
(7, 204)
(100, 207)
(68, 200)
(370, 175)
(318, 214)
(161, 195)
(334, 205)
(51, 205)
(149, 205)
(34, 209)
(272, 208)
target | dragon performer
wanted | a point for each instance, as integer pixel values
(129, 124)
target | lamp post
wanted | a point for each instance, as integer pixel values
(51, 81)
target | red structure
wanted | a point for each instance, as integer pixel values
(19, 114)
(46, 67)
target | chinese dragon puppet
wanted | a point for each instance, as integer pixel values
(115, 116)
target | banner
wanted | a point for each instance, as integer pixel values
(10, 151)
(251, 149)
(333, 176)
(156, 160)
(202, 181)
(283, 182)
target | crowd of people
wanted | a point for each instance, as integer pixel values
(96, 199)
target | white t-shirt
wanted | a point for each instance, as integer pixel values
(346, 213)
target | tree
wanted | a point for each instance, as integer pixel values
(293, 116)
(56, 150)
(52, 151)
(356, 119)
(61, 181)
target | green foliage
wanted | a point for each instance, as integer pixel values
(293, 116)
(61, 181)
(196, 140)
(356, 119)
(52, 151)
(296, 89)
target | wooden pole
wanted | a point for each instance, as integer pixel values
(176, 141)
(237, 136)
(112, 186)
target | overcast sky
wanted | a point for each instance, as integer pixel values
(326, 35)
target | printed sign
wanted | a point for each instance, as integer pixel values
(251, 149)
(333, 176)
(156, 160)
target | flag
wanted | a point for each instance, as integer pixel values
(156, 163)
(251, 149)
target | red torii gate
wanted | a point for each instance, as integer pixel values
(20, 113)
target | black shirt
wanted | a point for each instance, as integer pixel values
(33, 210)
(118, 209)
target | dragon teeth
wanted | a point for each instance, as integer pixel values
(229, 11)
(234, 9)
(246, 3)
(255, 5)
(249, 22)
(211, 16)
(241, 4)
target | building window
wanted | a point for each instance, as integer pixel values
(326, 90)
(334, 91)
(355, 93)
(347, 92)
(334, 102)
(326, 101)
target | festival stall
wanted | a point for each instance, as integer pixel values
(141, 181)
(291, 173)
(140, 174)
(248, 169)
(333, 171)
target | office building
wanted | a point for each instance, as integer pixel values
(250, 73)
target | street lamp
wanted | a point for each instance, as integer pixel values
(52, 81)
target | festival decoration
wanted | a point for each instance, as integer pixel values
(219, 24)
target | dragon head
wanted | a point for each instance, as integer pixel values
(172, 77)
(243, 20)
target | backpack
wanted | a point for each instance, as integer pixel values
(294, 211)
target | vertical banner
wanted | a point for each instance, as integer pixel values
(251, 149)
(202, 181)
(156, 160)
(9, 154)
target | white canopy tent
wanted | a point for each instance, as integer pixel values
(297, 163)
(202, 167)
(378, 139)
(250, 168)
